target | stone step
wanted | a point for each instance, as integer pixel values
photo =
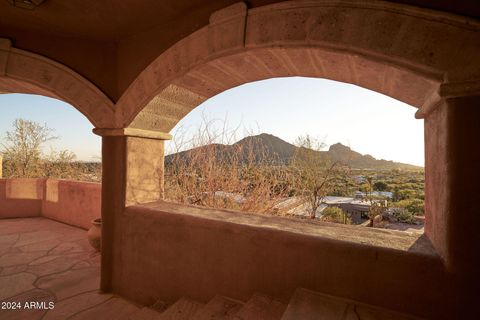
(310, 305)
(260, 307)
(219, 308)
(183, 309)
(145, 313)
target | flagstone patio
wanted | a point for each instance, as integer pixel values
(42, 260)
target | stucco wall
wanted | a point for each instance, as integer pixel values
(21, 197)
(436, 178)
(72, 202)
(201, 253)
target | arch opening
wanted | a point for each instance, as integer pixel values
(257, 164)
(44, 137)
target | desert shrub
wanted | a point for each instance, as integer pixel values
(336, 215)
(405, 216)
(215, 174)
(413, 206)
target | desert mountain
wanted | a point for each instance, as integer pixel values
(267, 146)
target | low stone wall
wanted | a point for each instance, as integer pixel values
(72, 202)
(21, 197)
(189, 251)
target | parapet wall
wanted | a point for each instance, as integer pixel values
(72, 202)
(21, 197)
(168, 251)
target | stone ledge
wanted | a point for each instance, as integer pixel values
(132, 132)
(373, 237)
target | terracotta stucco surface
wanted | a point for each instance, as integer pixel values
(21, 198)
(146, 78)
(85, 35)
(71, 202)
(204, 252)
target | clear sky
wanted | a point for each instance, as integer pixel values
(334, 112)
(72, 128)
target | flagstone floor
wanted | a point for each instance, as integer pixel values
(45, 264)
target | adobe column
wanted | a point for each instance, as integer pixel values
(132, 173)
(452, 146)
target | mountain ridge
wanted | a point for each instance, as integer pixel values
(282, 151)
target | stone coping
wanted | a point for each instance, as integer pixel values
(132, 132)
(412, 243)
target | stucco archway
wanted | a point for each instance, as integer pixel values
(404, 52)
(425, 58)
(26, 72)
(418, 56)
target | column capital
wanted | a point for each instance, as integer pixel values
(448, 90)
(132, 132)
(459, 89)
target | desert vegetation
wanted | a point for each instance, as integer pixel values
(257, 174)
(243, 178)
(25, 155)
(264, 174)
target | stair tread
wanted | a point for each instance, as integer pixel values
(260, 307)
(218, 308)
(183, 309)
(145, 313)
(310, 305)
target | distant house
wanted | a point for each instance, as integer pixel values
(356, 209)
(382, 194)
(359, 179)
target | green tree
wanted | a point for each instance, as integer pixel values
(396, 193)
(380, 186)
(335, 214)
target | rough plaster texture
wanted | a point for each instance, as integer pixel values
(74, 203)
(461, 211)
(403, 52)
(26, 72)
(111, 45)
(426, 58)
(114, 167)
(437, 184)
(407, 61)
(20, 197)
(207, 252)
(71, 202)
(132, 172)
(145, 168)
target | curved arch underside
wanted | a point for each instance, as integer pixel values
(414, 55)
(185, 93)
(401, 51)
(25, 72)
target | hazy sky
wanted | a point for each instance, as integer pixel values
(366, 121)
